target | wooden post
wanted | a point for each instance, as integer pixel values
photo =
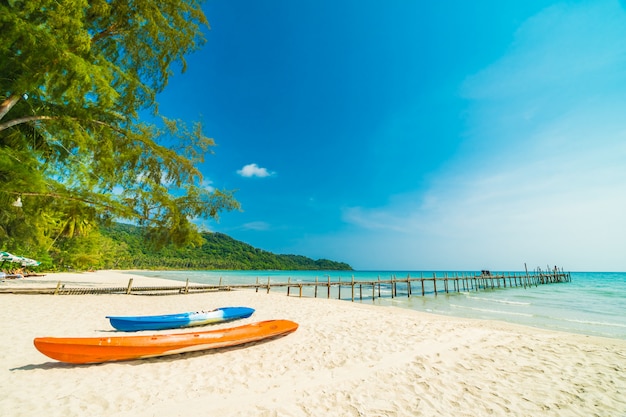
(288, 286)
(130, 285)
(268, 285)
(548, 274)
(257, 284)
(379, 286)
(422, 279)
(316, 287)
(408, 285)
(352, 288)
(393, 286)
(526, 268)
(435, 282)
(300, 287)
(187, 286)
(328, 296)
(339, 289)
(56, 291)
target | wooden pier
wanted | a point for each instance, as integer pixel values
(345, 290)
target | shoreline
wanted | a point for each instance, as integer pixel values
(543, 312)
(100, 278)
(344, 359)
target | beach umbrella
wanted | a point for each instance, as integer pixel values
(9, 257)
(6, 256)
(29, 262)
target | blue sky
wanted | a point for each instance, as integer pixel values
(415, 135)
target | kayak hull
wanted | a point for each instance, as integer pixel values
(121, 348)
(180, 320)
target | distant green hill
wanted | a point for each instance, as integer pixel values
(219, 251)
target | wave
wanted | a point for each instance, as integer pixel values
(486, 310)
(496, 300)
(596, 323)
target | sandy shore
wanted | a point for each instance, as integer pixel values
(344, 360)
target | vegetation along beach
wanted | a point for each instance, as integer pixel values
(328, 208)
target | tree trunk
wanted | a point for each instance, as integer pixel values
(7, 104)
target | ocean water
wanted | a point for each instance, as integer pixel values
(593, 303)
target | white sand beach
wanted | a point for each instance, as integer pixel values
(345, 359)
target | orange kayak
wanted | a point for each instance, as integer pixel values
(121, 348)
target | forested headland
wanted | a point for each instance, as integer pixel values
(217, 251)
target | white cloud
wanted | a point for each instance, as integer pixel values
(253, 170)
(257, 226)
(207, 185)
(203, 225)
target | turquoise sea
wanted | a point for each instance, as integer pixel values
(593, 303)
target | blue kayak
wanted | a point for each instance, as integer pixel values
(174, 321)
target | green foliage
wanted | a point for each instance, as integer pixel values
(128, 250)
(74, 77)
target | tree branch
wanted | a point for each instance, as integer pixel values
(28, 119)
(21, 120)
(69, 197)
(110, 31)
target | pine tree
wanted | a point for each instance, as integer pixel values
(75, 75)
